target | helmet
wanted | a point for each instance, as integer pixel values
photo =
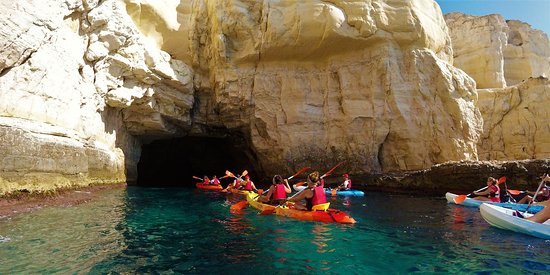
(345, 176)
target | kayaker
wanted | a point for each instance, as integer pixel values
(215, 181)
(313, 194)
(237, 182)
(205, 180)
(542, 195)
(277, 191)
(492, 193)
(542, 216)
(346, 185)
(247, 184)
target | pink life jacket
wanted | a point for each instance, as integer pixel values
(205, 181)
(319, 196)
(216, 181)
(248, 186)
(495, 194)
(280, 193)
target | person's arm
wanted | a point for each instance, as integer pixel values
(287, 187)
(254, 187)
(300, 196)
(483, 193)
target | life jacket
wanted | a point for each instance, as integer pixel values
(322, 183)
(248, 186)
(494, 195)
(216, 181)
(205, 181)
(319, 196)
(280, 193)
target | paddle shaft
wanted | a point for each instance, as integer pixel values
(535, 195)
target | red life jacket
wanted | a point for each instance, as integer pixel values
(319, 196)
(216, 181)
(280, 193)
(248, 186)
(205, 181)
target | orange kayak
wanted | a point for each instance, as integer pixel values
(329, 216)
(237, 191)
(208, 186)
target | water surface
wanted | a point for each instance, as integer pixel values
(167, 230)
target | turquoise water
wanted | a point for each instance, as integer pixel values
(157, 230)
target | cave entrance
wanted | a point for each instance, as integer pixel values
(174, 162)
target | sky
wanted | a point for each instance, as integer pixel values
(534, 12)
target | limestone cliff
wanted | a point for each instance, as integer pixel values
(83, 84)
(516, 121)
(498, 53)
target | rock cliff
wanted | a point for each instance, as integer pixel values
(85, 83)
(498, 53)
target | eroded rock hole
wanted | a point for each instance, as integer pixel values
(174, 162)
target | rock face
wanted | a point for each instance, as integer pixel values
(516, 121)
(83, 84)
(498, 53)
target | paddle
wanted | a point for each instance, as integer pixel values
(535, 195)
(270, 211)
(195, 177)
(461, 198)
(514, 192)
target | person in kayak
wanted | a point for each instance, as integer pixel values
(215, 181)
(313, 194)
(492, 193)
(542, 195)
(276, 194)
(205, 180)
(247, 184)
(346, 185)
(541, 217)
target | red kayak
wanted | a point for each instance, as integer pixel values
(329, 216)
(201, 185)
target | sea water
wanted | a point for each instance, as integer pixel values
(189, 231)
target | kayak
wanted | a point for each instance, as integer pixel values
(475, 203)
(350, 192)
(328, 216)
(208, 186)
(503, 218)
(236, 191)
(328, 191)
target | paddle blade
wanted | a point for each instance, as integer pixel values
(229, 174)
(299, 172)
(333, 192)
(501, 180)
(245, 172)
(300, 183)
(330, 171)
(514, 192)
(239, 206)
(195, 177)
(321, 207)
(460, 199)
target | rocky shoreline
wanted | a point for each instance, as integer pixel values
(27, 202)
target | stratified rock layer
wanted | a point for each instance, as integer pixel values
(498, 53)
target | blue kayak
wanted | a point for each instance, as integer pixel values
(328, 191)
(475, 203)
(355, 193)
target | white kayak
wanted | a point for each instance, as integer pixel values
(475, 203)
(503, 218)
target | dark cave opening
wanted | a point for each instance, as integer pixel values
(174, 162)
